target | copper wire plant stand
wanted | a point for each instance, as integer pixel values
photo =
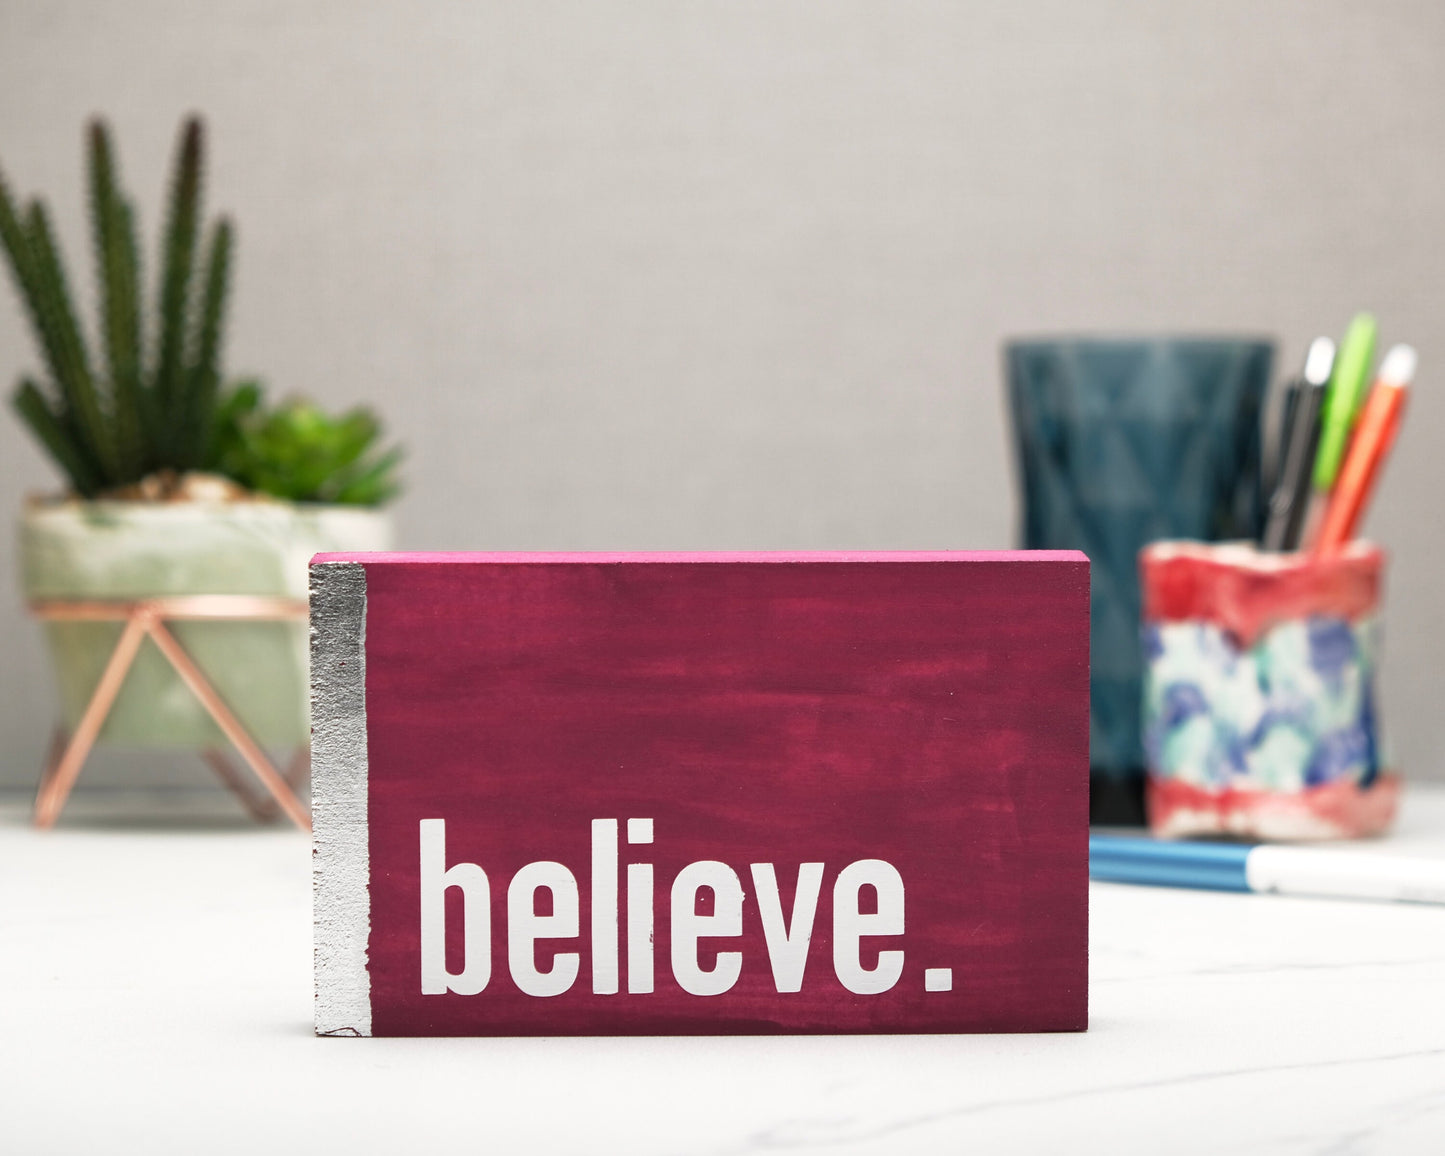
(147, 618)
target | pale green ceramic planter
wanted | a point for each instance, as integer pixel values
(122, 550)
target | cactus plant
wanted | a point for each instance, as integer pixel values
(140, 417)
(112, 424)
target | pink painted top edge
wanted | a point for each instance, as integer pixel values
(642, 556)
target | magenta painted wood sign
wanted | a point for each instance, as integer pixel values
(700, 793)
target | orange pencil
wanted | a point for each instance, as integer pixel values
(1374, 434)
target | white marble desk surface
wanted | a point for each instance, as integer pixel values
(155, 997)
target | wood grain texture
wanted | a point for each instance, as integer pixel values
(928, 710)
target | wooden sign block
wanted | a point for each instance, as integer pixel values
(700, 793)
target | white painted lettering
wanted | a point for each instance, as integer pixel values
(688, 926)
(471, 881)
(850, 925)
(639, 928)
(604, 906)
(788, 942)
(708, 883)
(525, 927)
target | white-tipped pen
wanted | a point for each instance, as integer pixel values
(1320, 361)
(1398, 368)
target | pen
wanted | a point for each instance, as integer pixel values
(1289, 398)
(1374, 435)
(1281, 870)
(1342, 403)
(1301, 437)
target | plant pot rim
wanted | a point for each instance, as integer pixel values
(57, 502)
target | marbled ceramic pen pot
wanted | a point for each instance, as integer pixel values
(1260, 701)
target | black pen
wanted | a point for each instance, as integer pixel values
(1290, 500)
(1290, 392)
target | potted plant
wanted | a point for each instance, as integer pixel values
(178, 484)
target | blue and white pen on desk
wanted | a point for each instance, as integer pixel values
(1266, 868)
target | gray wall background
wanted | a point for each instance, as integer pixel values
(705, 275)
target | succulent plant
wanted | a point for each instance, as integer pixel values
(295, 451)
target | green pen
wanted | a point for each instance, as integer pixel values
(1342, 402)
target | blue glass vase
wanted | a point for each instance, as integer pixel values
(1120, 443)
